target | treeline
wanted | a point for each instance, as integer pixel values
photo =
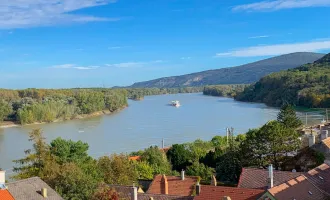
(308, 86)
(41, 105)
(224, 90)
(140, 93)
(66, 166)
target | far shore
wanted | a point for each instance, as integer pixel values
(11, 124)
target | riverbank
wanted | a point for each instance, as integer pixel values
(11, 124)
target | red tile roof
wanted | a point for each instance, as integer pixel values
(297, 188)
(5, 195)
(134, 158)
(320, 176)
(217, 193)
(176, 186)
(258, 178)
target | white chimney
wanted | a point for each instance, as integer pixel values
(270, 176)
(198, 189)
(311, 140)
(182, 175)
(324, 134)
(2, 177)
(134, 193)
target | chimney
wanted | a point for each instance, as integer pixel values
(198, 189)
(226, 198)
(213, 181)
(2, 177)
(182, 175)
(324, 134)
(270, 177)
(164, 185)
(311, 140)
(134, 193)
(44, 192)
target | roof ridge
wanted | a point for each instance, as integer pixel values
(23, 180)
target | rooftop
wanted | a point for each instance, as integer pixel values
(5, 195)
(258, 178)
(320, 176)
(176, 186)
(297, 188)
(217, 193)
(30, 188)
(125, 194)
(326, 142)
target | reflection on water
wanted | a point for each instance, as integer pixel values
(145, 123)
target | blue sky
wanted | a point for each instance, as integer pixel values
(93, 43)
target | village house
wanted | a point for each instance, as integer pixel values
(27, 189)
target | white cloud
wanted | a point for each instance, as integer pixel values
(34, 13)
(185, 58)
(111, 48)
(73, 66)
(281, 4)
(277, 49)
(134, 64)
(260, 36)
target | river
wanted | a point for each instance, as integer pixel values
(144, 123)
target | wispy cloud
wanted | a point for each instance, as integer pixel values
(74, 66)
(134, 64)
(34, 13)
(274, 5)
(185, 58)
(260, 36)
(116, 47)
(277, 49)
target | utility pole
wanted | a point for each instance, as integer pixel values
(163, 143)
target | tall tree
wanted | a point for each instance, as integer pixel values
(157, 159)
(179, 156)
(104, 192)
(287, 116)
(37, 159)
(5, 109)
(229, 167)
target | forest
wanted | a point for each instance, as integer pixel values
(140, 93)
(46, 105)
(66, 166)
(224, 90)
(307, 86)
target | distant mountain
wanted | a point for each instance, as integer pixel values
(307, 85)
(244, 74)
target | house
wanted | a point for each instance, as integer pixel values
(218, 193)
(297, 188)
(27, 189)
(173, 185)
(320, 177)
(132, 193)
(259, 178)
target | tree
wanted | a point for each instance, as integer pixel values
(199, 149)
(37, 160)
(219, 142)
(5, 110)
(212, 157)
(157, 159)
(287, 116)
(199, 169)
(229, 167)
(144, 170)
(72, 183)
(179, 157)
(117, 169)
(104, 192)
(69, 151)
(279, 140)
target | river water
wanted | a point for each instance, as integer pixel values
(144, 123)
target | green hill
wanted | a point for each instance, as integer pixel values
(307, 85)
(245, 74)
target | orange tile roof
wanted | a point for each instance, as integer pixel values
(134, 158)
(297, 188)
(326, 142)
(176, 186)
(218, 192)
(5, 195)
